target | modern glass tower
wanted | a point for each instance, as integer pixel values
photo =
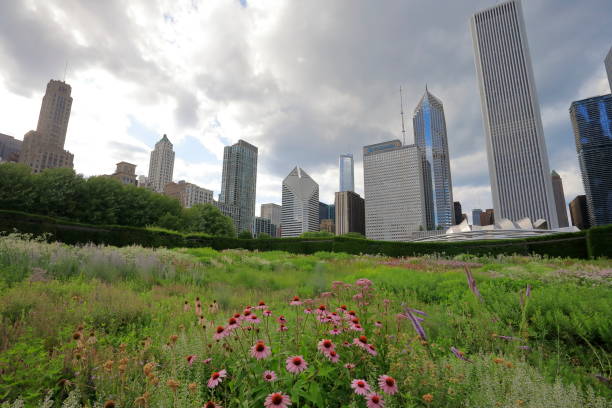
(592, 122)
(347, 173)
(239, 181)
(429, 127)
(516, 151)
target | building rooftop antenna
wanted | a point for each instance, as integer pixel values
(402, 113)
(65, 70)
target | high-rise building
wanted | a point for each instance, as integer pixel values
(188, 194)
(327, 211)
(487, 217)
(300, 210)
(476, 216)
(608, 63)
(592, 123)
(429, 127)
(458, 216)
(327, 225)
(239, 181)
(272, 212)
(161, 165)
(347, 172)
(394, 191)
(229, 210)
(350, 213)
(516, 150)
(579, 212)
(125, 173)
(263, 225)
(557, 184)
(43, 148)
(9, 148)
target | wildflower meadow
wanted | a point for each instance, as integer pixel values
(96, 326)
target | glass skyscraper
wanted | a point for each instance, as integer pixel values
(592, 122)
(430, 137)
(347, 174)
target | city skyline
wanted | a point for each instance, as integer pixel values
(118, 116)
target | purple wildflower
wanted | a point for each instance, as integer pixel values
(415, 323)
(459, 354)
(509, 338)
(524, 348)
(472, 283)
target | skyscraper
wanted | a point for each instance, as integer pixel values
(394, 191)
(579, 212)
(516, 151)
(458, 215)
(350, 213)
(592, 123)
(239, 181)
(272, 212)
(608, 63)
(557, 184)
(476, 216)
(161, 165)
(300, 211)
(347, 172)
(43, 148)
(429, 127)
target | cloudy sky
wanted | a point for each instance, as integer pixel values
(302, 80)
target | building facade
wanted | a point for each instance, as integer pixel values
(516, 150)
(262, 225)
(429, 126)
(592, 123)
(347, 172)
(394, 191)
(125, 173)
(161, 165)
(9, 148)
(327, 225)
(350, 213)
(272, 212)
(557, 184)
(229, 210)
(579, 212)
(188, 194)
(476, 216)
(300, 210)
(239, 181)
(43, 148)
(457, 210)
(608, 63)
(487, 217)
(327, 211)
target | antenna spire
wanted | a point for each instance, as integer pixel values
(65, 70)
(402, 113)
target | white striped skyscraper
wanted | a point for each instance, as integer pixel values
(300, 210)
(516, 151)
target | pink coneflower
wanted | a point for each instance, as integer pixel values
(333, 356)
(260, 350)
(190, 359)
(323, 317)
(387, 384)
(326, 294)
(220, 332)
(281, 319)
(211, 404)
(346, 344)
(308, 310)
(296, 301)
(371, 349)
(267, 313)
(246, 313)
(356, 327)
(362, 342)
(335, 317)
(321, 309)
(378, 323)
(207, 361)
(335, 331)
(261, 305)
(325, 346)
(296, 364)
(282, 328)
(253, 319)
(364, 283)
(277, 400)
(232, 323)
(216, 378)
(361, 387)
(349, 366)
(269, 376)
(374, 401)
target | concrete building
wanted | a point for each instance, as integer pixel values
(161, 165)
(557, 184)
(429, 126)
(457, 211)
(272, 212)
(394, 191)
(43, 148)
(347, 172)
(327, 225)
(592, 123)
(9, 148)
(579, 212)
(125, 173)
(608, 63)
(300, 210)
(239, 181)
(476, 216)
(516, 150)
(262, 225)
(350, 213)
(188, 194)
(487, 217)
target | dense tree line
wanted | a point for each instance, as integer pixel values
(102, 200)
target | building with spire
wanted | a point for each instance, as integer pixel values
(429, 126)
(43, 148)
(300, 209)
(161, 165)
(514, 137)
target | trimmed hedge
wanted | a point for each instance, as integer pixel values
(595, 242)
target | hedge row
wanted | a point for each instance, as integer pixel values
(592, 243)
